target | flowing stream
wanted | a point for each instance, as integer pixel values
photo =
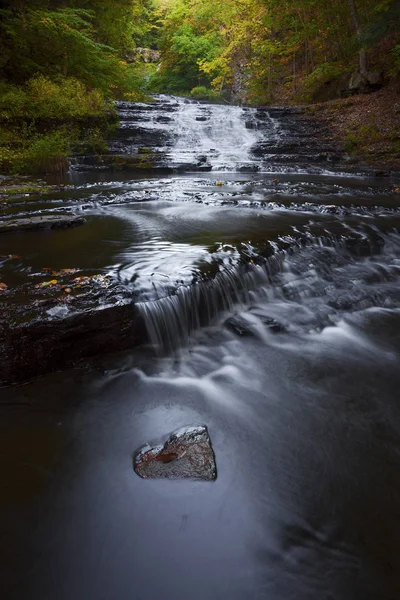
(268, 279)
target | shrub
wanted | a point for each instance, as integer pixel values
(396, 60)
(324, 73)
(201, 92)
(14, 101)
(69, 98)
(45, 154)
(8, 158)
(42, 98)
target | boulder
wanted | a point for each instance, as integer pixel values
(187, 454)
(243, 328)
(359, 83)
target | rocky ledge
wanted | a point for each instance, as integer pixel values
(40, 223)
(187, 454)
(61, 321)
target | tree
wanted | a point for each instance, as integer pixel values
(359, 31)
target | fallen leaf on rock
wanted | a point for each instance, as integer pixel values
(47, 283)
(3, 287)
(63, 272)
(88, 279)
(83, 279)
(67, 290)
(187, 454)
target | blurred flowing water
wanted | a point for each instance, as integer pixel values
(268, 277)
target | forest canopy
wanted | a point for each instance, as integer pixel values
(251, 50)
(68, 59)
(264, 50)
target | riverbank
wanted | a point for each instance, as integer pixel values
(43, 123)
(368, 125)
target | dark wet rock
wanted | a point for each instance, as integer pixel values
(34, 348)
(163, 119)
(144, 160)
(365, 246)
(299, 139)
(40, 223)
(187, 454)
(248, 168)
(242, 327)
(273, 325)
(239, 326)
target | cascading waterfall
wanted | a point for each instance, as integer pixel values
(218, 136)
(287, 276)
(225, 139)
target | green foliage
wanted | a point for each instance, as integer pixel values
(357, 140)
(201, 92)
(42, 98)
(384, 20)
(59, 42)
(65, 43)
(45, 154)
(189, 39)
(396, 61)
(121, 24)
(267, 50)
(8, 158)
(324, 73)
(61, 61)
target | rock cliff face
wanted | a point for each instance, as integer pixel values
(145, 55)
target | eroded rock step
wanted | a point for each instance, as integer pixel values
(147, 133)
(40, 223)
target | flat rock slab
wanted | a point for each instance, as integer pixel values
(40, 223)
(187, 454)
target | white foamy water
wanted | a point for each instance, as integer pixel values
(224, 135)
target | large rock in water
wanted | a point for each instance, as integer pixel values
(187, 454)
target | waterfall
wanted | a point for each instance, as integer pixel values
(220, 137)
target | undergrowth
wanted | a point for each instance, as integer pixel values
(44, 121)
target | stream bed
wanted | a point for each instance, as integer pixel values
(265, 274)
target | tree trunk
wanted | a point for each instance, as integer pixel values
(357, 25)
